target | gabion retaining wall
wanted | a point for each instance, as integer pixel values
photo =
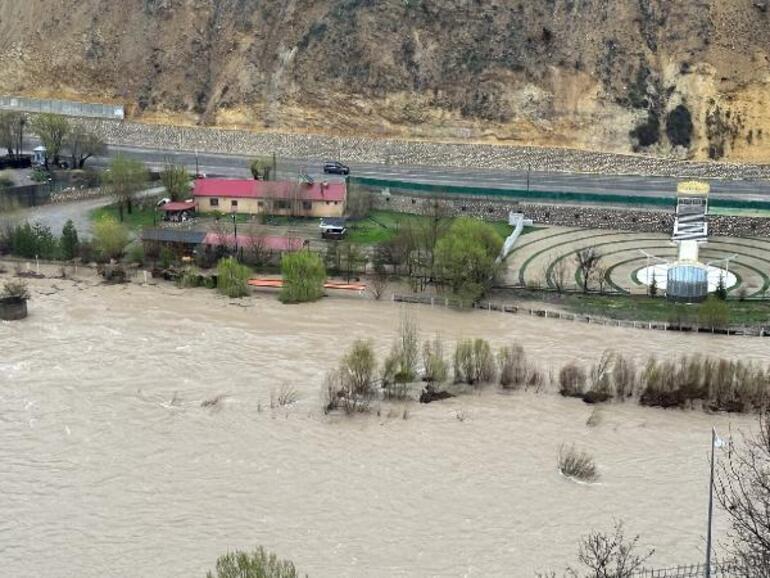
(641, 220)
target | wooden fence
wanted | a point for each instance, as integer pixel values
(446, 301)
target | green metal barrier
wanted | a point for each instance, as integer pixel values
(630, 199)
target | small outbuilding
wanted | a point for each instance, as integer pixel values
(178, 211)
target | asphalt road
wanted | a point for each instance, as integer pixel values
(237, 166)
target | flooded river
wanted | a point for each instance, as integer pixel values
(109, 466)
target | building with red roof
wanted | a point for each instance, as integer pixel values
(291, 198)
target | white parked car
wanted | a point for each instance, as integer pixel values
(162, 202)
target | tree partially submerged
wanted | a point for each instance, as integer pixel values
(232, 278)
(743, 492)
(257, 564)
(304, 276)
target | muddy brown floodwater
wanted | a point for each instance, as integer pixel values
(109, 466)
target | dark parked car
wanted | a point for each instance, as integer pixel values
(336, 168)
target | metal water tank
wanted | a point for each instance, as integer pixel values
(687, 282)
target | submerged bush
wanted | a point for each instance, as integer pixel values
(257, 564)
(15, 290)
(514, 370)
(232, 278)
(572, 380)
(474, 363)
(436, 367)
(400, 366)
(351, 386)
(577, 464)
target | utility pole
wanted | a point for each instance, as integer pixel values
(197, 169)
(711, 503)
(275, 168)
(235, 232)
(529, 170)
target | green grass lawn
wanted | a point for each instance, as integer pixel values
(381, 226)
(142, 215)
(659, 309)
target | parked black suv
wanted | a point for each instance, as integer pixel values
(336, 168)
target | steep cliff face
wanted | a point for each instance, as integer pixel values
(686, 77)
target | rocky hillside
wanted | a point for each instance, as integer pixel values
(684, 77)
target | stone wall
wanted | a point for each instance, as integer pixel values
(389, 151)
(590, 217)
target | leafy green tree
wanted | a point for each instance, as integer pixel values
(257, 564)
(69, 241)
(232, 278)
(110, 237)
(261, 168)
(466, 258)
(125, 178)
(12, 131)
(52, 129)
(304, 275)
(176, 180)
(82, 144)
(32, 241)
(714, 313)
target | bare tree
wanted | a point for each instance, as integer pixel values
(599, 275)
(379, 281)
(82, 144)
(12, 131)
(743, 492)
(607, 555)
(556, 273)
(587, 260)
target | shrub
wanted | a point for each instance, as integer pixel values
(165, 257)
(189, 278)
(474, 362)
(624, 377)
(136, 253)
(15, 290)
(304, 275)
(110, 237)
(436, 367)
(400, 367)
(714, 313)
(256, 564)
(679, 126)
(31, 241)
(337, 394)
(577, 464)
(69, 241)
(358, 367)
(232, 278)
(572, 380)
(513, 366)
